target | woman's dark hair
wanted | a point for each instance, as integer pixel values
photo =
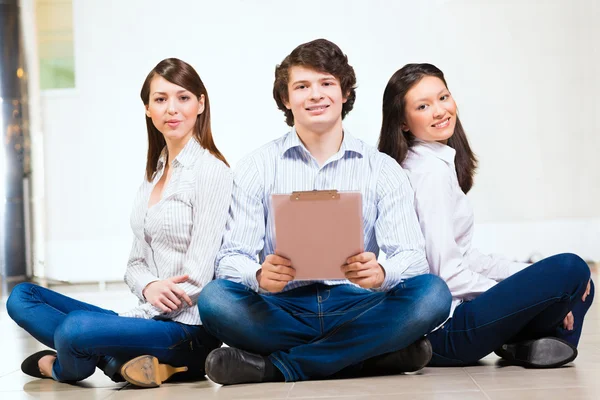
(320, 55)
(181, 74)
(396, 143)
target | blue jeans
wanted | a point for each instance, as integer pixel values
(528, 305)
(85, 336)
(317, 330)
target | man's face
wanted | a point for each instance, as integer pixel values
(315, 99)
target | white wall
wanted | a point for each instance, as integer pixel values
(523, 73)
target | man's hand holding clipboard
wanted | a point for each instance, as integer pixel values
(364, 270)
(275, 273)
(319, 236)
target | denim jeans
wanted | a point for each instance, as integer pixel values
(317, 330)
(528, 305)
(86, 336)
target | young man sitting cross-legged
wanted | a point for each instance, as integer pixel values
(282, 329)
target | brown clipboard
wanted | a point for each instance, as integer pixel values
(318, 231)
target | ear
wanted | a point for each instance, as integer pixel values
(345, 98)
(286, 103)
(404, 127)
(147, 111)
(201, 104)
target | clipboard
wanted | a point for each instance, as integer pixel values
(318, 231)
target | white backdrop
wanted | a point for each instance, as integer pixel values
(524, 74)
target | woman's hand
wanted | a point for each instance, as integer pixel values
(364, 270)
(165, 295)
(568, 322)
(587, 290)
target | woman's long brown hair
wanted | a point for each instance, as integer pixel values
(181, 74)
(395, 142)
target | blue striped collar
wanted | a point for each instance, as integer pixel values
(349, 143)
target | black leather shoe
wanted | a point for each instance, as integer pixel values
(408, 359)
(30, 364)
(230, 366)
(547, 352)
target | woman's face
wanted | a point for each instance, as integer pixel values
(173, 109)
(430, 111)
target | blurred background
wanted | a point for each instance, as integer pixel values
(524, 74)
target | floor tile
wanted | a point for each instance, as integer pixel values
(207, 390)
(545, 394)
(399, 384)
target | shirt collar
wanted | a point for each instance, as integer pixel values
(349, 143)
(440, 150)
(186, 157)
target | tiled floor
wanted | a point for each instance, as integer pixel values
(491, 380)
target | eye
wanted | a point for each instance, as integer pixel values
(445, 97)
(422, 107)
(300, 87)
(184, 98)
(159, 99)
(327, 83)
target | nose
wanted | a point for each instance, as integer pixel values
(315, 92)
(171, 106)
(438, 110)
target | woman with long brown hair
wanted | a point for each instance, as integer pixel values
(530, 315)
(178, 220)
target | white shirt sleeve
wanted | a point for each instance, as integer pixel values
(493, 266)
(435, 204)
(137, 274)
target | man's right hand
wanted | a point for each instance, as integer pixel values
(275, 273)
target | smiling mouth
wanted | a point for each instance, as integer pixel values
(442, 124)
(317, 108)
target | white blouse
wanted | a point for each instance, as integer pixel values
(182, 233)
(446, 219)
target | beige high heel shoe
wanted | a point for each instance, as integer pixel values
(146, 371)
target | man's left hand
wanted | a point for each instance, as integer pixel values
(364, 270)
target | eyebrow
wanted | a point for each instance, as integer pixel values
(423, 99)
(163, 93)
(328, 78)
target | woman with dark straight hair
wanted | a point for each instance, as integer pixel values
(178, 220)
(531, 315)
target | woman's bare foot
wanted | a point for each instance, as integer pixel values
(45, 364)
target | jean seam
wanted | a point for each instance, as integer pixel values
(321, 300)
(505, 316)
(38, 299)
(287, 374)
(320, 315)
(448, 358)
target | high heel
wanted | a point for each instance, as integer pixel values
(146, 371)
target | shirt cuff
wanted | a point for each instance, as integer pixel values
(392, 276)
(515, 267)
(249, 278)
(142, 281)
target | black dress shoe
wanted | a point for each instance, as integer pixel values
(547, 352)
(30, 364)
(408, 359)
(230, 366)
